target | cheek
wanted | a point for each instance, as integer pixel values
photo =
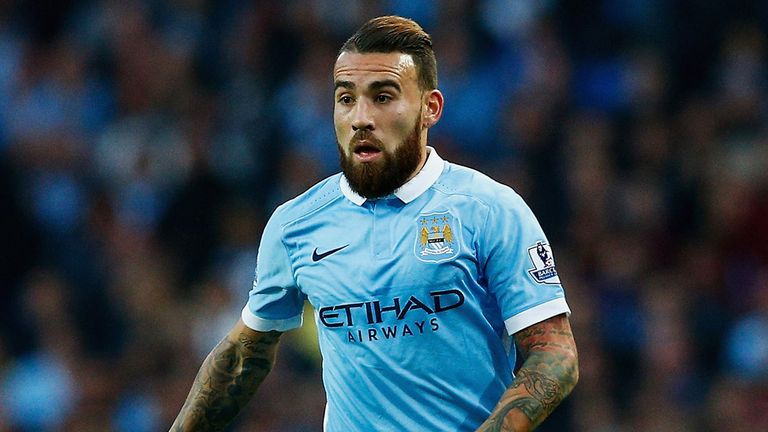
(341, 127)
(404, 122)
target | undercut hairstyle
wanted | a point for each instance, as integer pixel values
(388, 34)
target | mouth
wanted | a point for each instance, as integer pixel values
(366, 152)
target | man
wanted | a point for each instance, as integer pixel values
(418, 270)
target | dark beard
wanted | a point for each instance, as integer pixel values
(381, 178)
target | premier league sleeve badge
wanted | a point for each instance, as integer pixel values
(543, 270)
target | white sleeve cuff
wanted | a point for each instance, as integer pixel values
(263, 325)
(536, 314)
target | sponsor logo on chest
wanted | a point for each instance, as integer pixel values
(370, 320)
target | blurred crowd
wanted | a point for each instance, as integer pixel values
(144, 143)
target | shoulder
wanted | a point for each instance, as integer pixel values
(476, 186)
(322, 195)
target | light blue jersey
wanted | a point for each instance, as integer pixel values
(414, 294)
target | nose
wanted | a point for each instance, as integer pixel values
(362, 117)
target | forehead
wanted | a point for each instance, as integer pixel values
(360, 67)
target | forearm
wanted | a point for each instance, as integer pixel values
(227, 380)
(534, 394)
(547, 376)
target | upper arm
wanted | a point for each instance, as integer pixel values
(551, 335)
(253, 341)
(275, 302)
(519, 265)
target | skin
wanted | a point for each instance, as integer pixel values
(379, 92)
(547, 376)
(227, 379)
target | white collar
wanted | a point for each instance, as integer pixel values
(414, 187)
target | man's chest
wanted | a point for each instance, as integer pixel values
(384, 253)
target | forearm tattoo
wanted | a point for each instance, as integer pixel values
(226, 381)
(547, 376)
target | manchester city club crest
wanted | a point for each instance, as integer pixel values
(543, 270)
(436, 238)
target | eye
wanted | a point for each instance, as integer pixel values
(345, 99)
(383, 98)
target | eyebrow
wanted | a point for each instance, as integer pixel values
(375, 85)
(378, 85)
(349, 85)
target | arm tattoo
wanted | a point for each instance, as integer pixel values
(496, 422)
(547, 376)
(226, 381)
(546, 394)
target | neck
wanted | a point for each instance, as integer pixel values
(422, 162)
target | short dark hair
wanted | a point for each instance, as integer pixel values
(397, 34)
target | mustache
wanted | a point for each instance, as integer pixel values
(365, 135)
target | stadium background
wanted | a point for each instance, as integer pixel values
(144, 143)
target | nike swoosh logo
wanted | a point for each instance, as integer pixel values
(317, 257)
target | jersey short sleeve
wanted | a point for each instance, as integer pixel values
(519, 265)
(274, 302)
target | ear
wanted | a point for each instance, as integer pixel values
(433, 108)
